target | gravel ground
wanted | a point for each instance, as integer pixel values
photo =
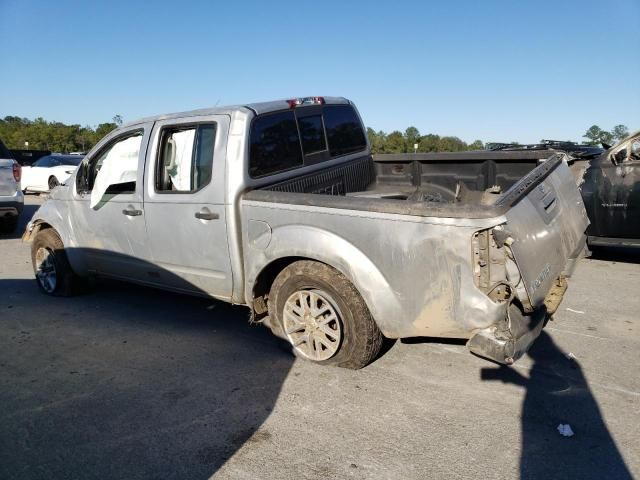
(129, 382)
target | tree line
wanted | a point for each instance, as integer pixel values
(59, 137)
(595, 135)
(412, 141)
(24, 134)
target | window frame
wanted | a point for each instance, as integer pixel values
(85, 164)
(319, 156)
(160, 149)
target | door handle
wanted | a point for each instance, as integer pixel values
(202, 215)
(132, 212)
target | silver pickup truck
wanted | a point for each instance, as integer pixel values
(281, 207)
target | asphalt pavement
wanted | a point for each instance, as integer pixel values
(127, 382)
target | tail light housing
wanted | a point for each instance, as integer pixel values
(296, 102)
(17, 171)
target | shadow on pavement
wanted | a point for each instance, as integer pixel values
(556, 392)
(616, 254)
(24, 218)
(130, 382)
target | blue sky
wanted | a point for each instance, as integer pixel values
(493, 70)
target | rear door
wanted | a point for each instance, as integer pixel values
(184, 202)
(547, 226)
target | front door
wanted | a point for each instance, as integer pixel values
(184, 201)
(108, 214)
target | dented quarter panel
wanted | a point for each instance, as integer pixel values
(415, 275)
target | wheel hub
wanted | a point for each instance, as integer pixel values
(46, 269)
(312, 324)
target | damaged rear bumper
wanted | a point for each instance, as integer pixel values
(509, 340)
(506, 345)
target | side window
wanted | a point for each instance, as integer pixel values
(185, 159)
(274, 144)
(113, 169)
(344, 130)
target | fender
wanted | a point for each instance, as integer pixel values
(329, 248)
(56, 213)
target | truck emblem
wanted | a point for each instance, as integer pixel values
(542, 277)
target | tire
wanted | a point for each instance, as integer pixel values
(8, 224)
(53, 183)
(342, 330)
(49, 257)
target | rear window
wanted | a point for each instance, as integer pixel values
(280, 142)
(312, 134)
(344, 131)
(275, 144)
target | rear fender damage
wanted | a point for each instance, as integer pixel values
(497, 275)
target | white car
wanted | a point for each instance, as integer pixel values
(48, 172)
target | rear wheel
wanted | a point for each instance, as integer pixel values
(53, 183)
(51, 267)
(323, 316)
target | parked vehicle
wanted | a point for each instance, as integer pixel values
(610, 189)
(11, 198)
(48, 172)
(279, 206)
(609, 180)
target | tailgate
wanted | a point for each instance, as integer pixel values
(547, 226)
(7, 182)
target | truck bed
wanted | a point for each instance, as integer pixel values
(458, 185)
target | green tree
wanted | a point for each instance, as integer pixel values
(429, 143)
(395, 143)
(619, 132)
(53, 136)
(593, 135)
(477, 145)
(377, 140)
(411, 137)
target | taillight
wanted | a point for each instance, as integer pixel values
(295, 102)
(17, 171)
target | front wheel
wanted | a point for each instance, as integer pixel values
(51, 267)
(322, 315)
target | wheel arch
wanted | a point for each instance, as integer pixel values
(343, 256)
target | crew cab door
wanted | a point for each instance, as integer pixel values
(107, 216)
(611, 190)
(184, 203)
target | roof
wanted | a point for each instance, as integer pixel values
(258, 108)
